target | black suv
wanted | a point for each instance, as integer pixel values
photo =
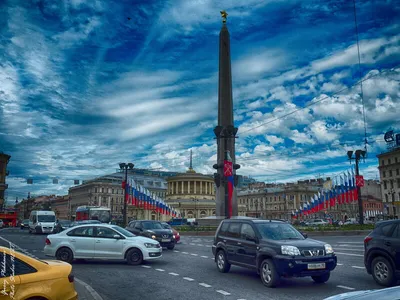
(382, 252)
(273, 248)
(153, 230)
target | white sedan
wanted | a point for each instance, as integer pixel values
(101, 241)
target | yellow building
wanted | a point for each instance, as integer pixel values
(4, 159)
(191, 193)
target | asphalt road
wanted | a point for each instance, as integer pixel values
(189, 272)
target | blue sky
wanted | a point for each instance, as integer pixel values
(83, 88)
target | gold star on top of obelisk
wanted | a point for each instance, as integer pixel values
(224, 14)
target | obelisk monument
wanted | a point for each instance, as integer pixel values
(225, 132)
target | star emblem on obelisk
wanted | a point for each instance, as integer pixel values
(224, 15)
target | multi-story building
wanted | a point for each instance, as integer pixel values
(61, 206)
(389, 170)
(107, 191)
(4, 159)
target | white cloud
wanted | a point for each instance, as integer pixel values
(274, 140)
(261, 149)
(301, 137)
(322, 132)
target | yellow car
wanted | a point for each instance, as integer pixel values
(25, 278)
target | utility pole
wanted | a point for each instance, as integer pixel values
(125, 167)
(357, 158)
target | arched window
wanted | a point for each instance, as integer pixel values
(203, 214)
(213, 212)
(190, 214)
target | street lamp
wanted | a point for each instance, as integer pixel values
(195, 200)
(125, 167)
(357, 156)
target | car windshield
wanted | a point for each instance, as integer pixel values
(166, 226)
(46, 218)
(123, 231)
(152, 225)
(279, 231)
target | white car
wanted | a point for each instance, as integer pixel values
(101, 241)
(317, 222)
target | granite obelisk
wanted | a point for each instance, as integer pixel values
(225, 132)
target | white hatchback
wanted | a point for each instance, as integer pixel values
(101, 241)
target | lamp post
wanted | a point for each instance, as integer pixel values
(125, 167)
(357, 156)
(195, 200)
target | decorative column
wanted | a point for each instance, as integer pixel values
(195, 183)
(182, 187)
(201, 187)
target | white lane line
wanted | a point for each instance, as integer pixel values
(188, 278)
(194, 254)
(205, 285)
(185, 253)
(349, 254)
(203, 256)
(347, 245)
(223, 292)
(147, 267)
(345, 287)
(176, 251)
(161, 270)
(347, 249)
(357, 267)
(173, 274)
(192, 244)
(200, 245)
(340, 264)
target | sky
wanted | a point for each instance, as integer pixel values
(85, 85)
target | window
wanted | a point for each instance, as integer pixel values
(386, 230)
(113, 191)
(384, 174)
(390, 173)
(86, 231)
(383, 162)
(104, 232)
(279, 231)
(389, 162)
(14, 266)
(386, 197)
(234, 230)
(95, 190)
(247, 231)
(391, 184)
(385, 185)
(396, 160)
(397, 172)
(224, 228)
(138, 225)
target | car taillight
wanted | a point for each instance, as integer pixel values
(48, 242)
(71, 277)
(367, 239)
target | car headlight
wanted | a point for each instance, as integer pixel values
(150, 245)
(153, 237)
(177, 233)
(290, 250)
(328, 249)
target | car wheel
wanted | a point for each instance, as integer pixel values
(171, 247)
(65, 254)
(269, 275)
(222, 263)
(382, 271)
(321, 278)
(134, 257)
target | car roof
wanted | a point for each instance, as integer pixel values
(94, 224)
(387, 222)
(254, 220)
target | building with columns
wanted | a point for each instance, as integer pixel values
(193, 194)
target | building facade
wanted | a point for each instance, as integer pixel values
(389, 171)
(107, 191)
(4, 159)
(193, 194)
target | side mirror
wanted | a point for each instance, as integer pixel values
(117, 236)
(305, 235)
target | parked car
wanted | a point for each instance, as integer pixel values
(1, 223)
(101, 241)
(24, 224)
(35, 279)
(317, 222)
(153, 230)
(272, 248)
(382, 252)
(62, 225)
(381, 294)
(175, 232)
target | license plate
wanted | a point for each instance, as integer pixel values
(316, 266)
(165, 240)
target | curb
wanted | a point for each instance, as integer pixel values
(87, 290)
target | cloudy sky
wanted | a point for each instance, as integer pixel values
(87, 84)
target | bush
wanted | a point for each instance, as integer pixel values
(184, 228)
(336, 228)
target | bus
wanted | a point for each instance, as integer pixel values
(102, 214)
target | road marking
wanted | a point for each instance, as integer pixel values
(349, 254)
(347, 245)
(345, 287)
(92, 292)
(192, 244)
(205, 285)
(200, 245)
(357, 267)
(176, 251)
(147, 267)
(194, 254)
(161, 270)
(185, 253)
(203, 256)
(358, 250)
(223, 292)
(340, 264)
(174, 274)
(188, 278)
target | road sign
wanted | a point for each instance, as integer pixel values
(359, 181)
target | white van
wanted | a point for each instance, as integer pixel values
(42, 221)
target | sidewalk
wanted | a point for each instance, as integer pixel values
(85, 291)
